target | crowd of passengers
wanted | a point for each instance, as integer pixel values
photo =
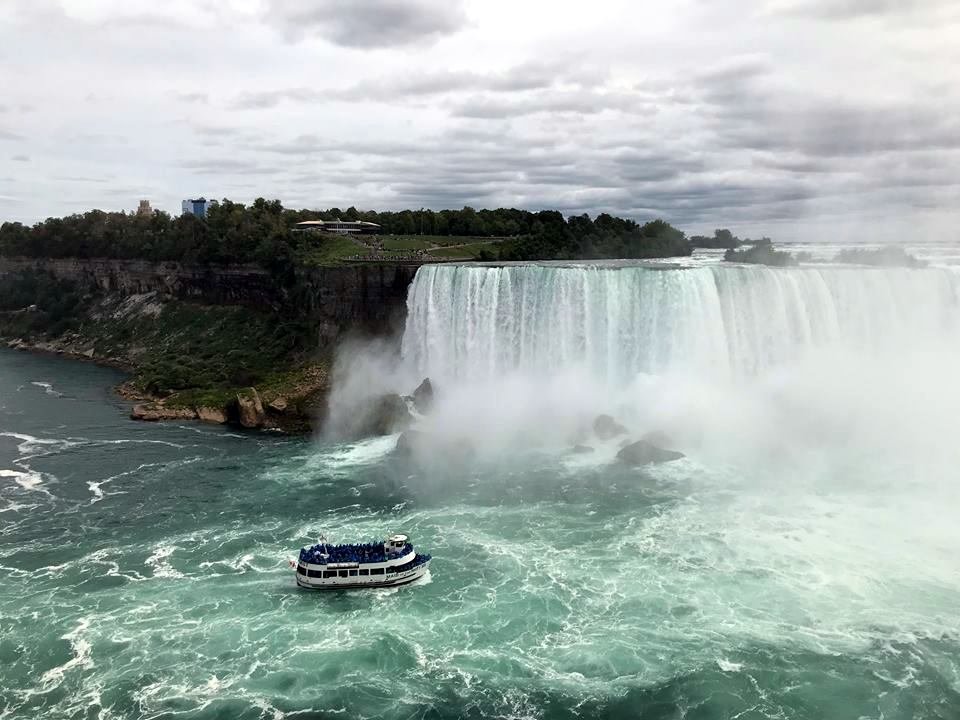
(361, 553)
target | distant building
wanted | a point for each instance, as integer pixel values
(144, 208)
(198, 207)
(340, 227)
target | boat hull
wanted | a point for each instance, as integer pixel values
(390, 581)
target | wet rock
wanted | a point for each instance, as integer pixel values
(250, 409)
(384, 415)
(423, 397)
(645, 453)
(660, 439)
(278, 406)
(581, 449)
(606, 428)
(409, 443)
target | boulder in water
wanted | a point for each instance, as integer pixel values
(581, 449)
(645, 453)
(422, 397)
(425, 448)
(660, 439)
(384, 415)
(607, 428)
(409, 442)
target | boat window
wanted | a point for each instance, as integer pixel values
(353, 573)
(329, 573)
(364, 572)
(376, 571)
(343, 573)
(302, 569)
(314, 573)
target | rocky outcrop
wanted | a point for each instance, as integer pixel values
(278, 405)
(212, 415)
(422, 397)
(581, 449)
(644, 453)
(250, 412)
(606, 428)
(152, 412)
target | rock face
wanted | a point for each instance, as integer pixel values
(250, 409)
(278, 406)
(151, 412)
(644, 453)
(423, 397)
(212, 415)
(607, 428)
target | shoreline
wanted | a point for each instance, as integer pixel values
(145, 407)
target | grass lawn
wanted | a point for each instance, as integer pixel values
(467, 252)
(332, 249)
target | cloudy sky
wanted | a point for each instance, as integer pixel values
(801, 119)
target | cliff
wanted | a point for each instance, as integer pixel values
(369, 298)
(199, 338)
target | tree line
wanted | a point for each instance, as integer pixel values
(261, 233)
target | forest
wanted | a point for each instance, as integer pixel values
(261, 233)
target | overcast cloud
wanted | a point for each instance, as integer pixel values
(800, 119)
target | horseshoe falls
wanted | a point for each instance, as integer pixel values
(799, 562)
(615, 322)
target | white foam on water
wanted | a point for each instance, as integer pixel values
(159, 562)
(80, 647)
(728, 666)
(47, 388)
(28, 480)
(360, 453)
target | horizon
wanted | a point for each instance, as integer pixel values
(700, 114)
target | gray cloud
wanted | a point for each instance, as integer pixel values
(368, 23)
(20, 158)
(553, 102)
(200, 98)
(853, 9)
(7, 135)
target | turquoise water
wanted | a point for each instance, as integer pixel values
(143, 573)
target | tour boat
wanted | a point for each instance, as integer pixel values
(389, 563)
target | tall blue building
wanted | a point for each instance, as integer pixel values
(198, 207)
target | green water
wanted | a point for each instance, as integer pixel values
(143, 573)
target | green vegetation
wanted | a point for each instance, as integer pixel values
(890, 256)
(722, 240)
(261, 233)
(761, 253)
(331, 249)
(192, 354)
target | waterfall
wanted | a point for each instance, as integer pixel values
(726, 321)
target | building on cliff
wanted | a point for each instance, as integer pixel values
(340, 227)
(198, 207)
